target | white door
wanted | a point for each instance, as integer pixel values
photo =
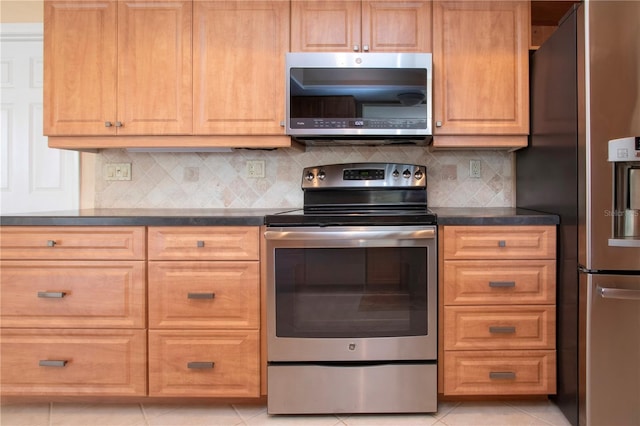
(33, 177)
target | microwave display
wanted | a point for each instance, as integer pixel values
(372, 94)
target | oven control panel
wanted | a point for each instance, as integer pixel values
(364, 175)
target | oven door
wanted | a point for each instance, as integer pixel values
(351, 293)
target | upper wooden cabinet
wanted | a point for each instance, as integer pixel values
(117, 68)
(480, 78)
(239, 66)
(361, 26)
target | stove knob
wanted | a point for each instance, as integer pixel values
(418, 174)
(309, 176)
(395, 173)
(322, 175)
(406, 174)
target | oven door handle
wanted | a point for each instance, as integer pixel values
(325, 234)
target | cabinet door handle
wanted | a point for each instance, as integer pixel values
(503, 330)
(200, 365)
(119, 124)
(200, 243)
(502, 243)
(365, 47)
(51, 243)
(201, 295)
(502, 375)
(108, 124)
(438, 123)
(502, 284)
(51, 294)
(356, 47)
(53, 362)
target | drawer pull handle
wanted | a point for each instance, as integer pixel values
(502, 284)
(52, 363)
(200, 243)
(51, 243)
(503, 330)
(502, 243)
(201, 295)
(51, 294)
(200, 365)
(502, 375)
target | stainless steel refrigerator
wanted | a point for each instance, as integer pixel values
(585, 91)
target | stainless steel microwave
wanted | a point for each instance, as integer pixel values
(359, 98)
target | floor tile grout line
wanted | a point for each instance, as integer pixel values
(144, 414)
(529, 414)
(50, 413)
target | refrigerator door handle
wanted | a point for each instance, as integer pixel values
(618, 293)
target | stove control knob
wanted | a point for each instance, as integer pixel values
(309, 176)
(406, 174)
(322, 175)
(418, 175)
(395, 173)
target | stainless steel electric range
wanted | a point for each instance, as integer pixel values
(352, 294)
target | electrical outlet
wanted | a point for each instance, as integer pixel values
(117, 171)
(255, 169)
(475, 170)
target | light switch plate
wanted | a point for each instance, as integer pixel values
(117, 171)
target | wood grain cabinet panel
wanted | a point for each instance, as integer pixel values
(497, 312)
(195, 295)
(238, 67)
(481, 73)
(361, 26)
(73, 242)
(500, 372)
(204, 243)
(204, 363)
(73, 362)
(499, 327)
(126, 88)
(499, 242)
(494, 282)
(73, 294)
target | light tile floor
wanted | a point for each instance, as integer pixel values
(508, 413)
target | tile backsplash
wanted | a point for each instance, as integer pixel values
(219, 179)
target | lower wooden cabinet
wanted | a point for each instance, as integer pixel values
(497, 310)
(500, 372)
(73, 362)
(204, 363)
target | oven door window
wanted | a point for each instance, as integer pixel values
(351, 292)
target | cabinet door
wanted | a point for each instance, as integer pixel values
(480, 56)
(239, 54)
(396, 26)
(325, 26)
(154, 67)
(79, 67)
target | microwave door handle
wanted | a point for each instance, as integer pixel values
(421, 234)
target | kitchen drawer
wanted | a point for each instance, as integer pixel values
(204, 363)
(499, 327)
(73, 362)
(204, 294)
(499, 242)
(73, 294)
(495, 282)
(72, 242)
(500, 372)
(204, 243)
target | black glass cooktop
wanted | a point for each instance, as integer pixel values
(362, 217)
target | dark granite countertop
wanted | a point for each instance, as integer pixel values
(493, 216)
(252, 217)
(142, 217)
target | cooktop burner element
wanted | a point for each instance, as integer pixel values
(361, 193)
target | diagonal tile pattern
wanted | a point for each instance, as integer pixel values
(218, 180)
(494, 413)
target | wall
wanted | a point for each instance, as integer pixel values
(217, 180)
(21, 11)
